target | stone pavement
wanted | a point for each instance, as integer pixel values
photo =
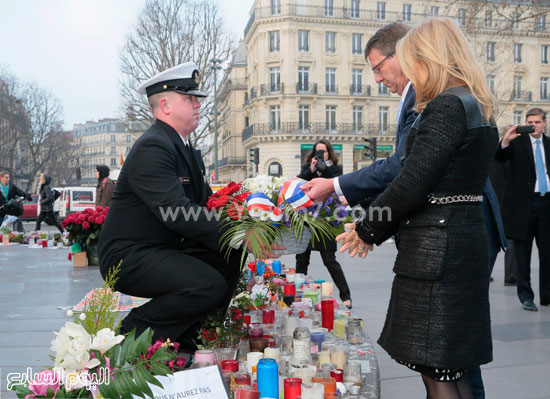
(38, 285)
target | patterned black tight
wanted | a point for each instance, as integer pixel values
(459, 389)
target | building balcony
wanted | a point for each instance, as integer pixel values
(302, 88)
(272, 89)
(359, 90)
(521, 96)
(317, 128)
(232, 161)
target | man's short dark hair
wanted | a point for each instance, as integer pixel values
(4, 173)
(385, 39)
(536, 111)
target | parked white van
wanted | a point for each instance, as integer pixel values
(75, 199)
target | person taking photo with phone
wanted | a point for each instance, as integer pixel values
(526, 202)
(322, 161)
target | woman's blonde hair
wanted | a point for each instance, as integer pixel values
(439, 47)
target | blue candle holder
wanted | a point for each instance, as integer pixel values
(268, 378)
(276, 265)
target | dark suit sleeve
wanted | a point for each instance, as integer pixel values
(503, 154)
(435, 144)
(155, 181)
(373, 179)
(21, 193)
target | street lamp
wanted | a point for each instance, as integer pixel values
(215, 66)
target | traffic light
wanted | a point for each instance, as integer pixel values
(78, 174)
(254, 154)
(370, 147)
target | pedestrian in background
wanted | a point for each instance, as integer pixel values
(46, 200)
(105, 186)
(322, 161)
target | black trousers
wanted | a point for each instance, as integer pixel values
(334, 268)
(538, 228)
(52, 219)
(184, 286)
(510, 266)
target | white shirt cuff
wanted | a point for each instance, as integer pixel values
(503, 146)
(337, 188)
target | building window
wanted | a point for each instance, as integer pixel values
(381, 11)
(491, 51)
(355, 8)
(329, 8)
(127, 150)
(113, 150)
(113, 138)
(331, 118)
(434, 11)
(246, 121)
(407, 11)
(330, 80)
(541, 23)
(517, 52)
(357, 81)
(357, 119)
(356, 43)
(303, 40)
(544, 88)
(491, 83)
(517, 87)
(275, 169)
(461, 16)
(518, 117)
(113, 161)
(275, 7)
(274, 79)
(515, 21)
(303, 117)
(544, 53)
(128, 138)
(303, 78)
(383, 119)
(275, 118)
(330, 40)
(274, 41)
(383, 90)
(488, 18)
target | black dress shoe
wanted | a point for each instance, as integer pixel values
(530, 306)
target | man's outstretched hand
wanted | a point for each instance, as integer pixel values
(266, 252)
(319, 189)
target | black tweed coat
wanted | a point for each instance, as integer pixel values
(438, 314)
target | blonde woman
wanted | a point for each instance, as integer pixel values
(438, 317)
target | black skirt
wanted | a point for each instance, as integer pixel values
(436, 374)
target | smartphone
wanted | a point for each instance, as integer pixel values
(525, 129)
(320, 155)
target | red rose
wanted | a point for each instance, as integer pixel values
(78, 221)
(235, 212)
(91, 219)
(89, 210)
(85, 225)
(100, 220)
(221, 202)
(242, 197)
(99, 208)
(81, 217)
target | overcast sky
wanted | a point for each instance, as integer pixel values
(71, 48)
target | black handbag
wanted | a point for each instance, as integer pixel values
(13, 207)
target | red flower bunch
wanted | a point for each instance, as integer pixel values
(226, 196)
(85, 226)
(209, 336)
(177, 363)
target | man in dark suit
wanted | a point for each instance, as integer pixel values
(157, 224)
(526, 205)
(373, 179)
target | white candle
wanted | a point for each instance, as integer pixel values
(272, 353)
(313, 391)
(339, 356)
(252, 359)
(327, 289)
(290, 326)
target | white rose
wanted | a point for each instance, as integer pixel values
(79, 361)
(60, 345)
(105, 339)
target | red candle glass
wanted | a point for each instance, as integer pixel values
(327, 314)
(293, 388)
(44, 243)
(247, 319)
(242, 379)
(290, 289)
(246, 394)
(230, 365)
(252, 267)
(268, 316)
(337, 374)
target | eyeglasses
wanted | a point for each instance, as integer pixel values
(376, 68)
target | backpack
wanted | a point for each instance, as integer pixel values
(56, 194)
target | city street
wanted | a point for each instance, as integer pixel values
(38, 285)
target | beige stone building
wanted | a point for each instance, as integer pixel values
(307, 78)
(105, 142)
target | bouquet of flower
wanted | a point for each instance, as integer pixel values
(264, 210)
(84, 227)
(92, 360)
(220, 330)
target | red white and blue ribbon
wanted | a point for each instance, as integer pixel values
(259, 204)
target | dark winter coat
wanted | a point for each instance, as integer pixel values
(46, 196)
(438, 314)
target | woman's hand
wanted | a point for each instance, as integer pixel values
(351, 242)
(313, 165)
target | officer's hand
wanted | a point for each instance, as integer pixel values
(319, 189)
(510, 135)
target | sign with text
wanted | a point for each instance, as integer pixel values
(203, 383)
